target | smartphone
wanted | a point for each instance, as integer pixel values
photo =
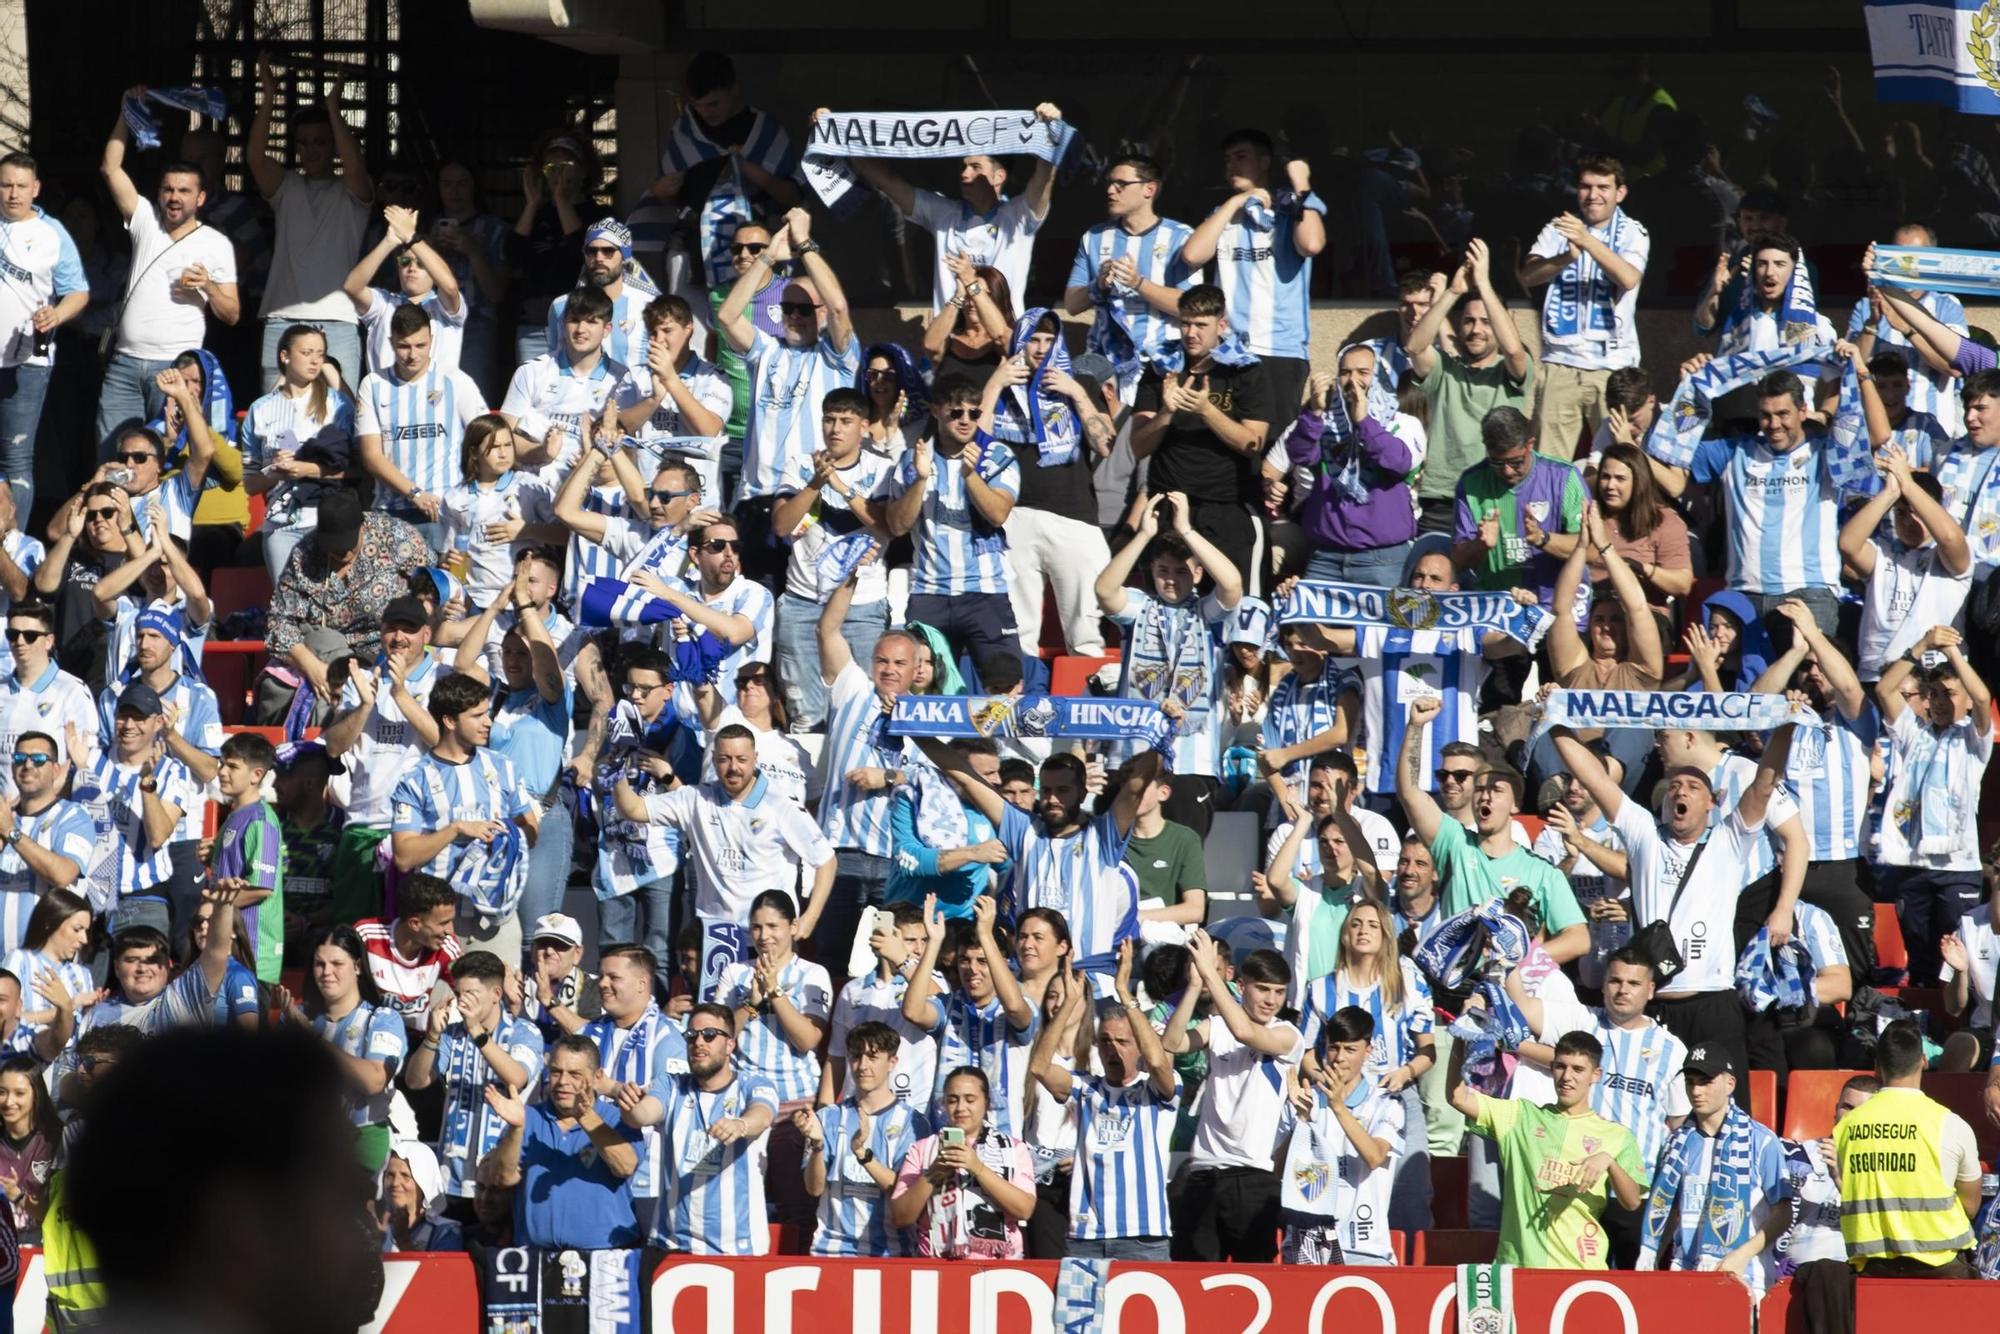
(951, 1137)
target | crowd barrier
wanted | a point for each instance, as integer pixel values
(438, 1294)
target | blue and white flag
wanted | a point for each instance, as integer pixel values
(145, 126)
(1078, 717)
(1677, 432)
(1936, 269)
(1080, 1288)
(608, 602)
(1322, 602)
(1669, 710)
(922, 134)
(842, 556)
(1945, 52)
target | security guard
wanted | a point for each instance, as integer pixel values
(1909, 1172)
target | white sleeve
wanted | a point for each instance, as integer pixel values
(1549, 244)
(365, 422)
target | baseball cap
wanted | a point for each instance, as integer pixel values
(339, 525)
(1708, 1061)
(292, 752)
(141, 699)
(404, 610)
(557, 926)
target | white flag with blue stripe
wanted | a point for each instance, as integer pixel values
(1945, 52)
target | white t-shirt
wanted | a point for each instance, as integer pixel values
(1982, 958)
(1704, 923)
(1242, 1099)
(318, 225)
(739, 849)
(1909, 592)
(1598, 350)
(1383, 840)
(871, 477)
(447, 329)
(160, 320)
(785, 763)
(1003, 239)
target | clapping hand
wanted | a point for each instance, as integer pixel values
(507, 1105)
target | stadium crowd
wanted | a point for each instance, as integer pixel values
(634, 618)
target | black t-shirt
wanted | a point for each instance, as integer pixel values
(80, 634)
(1190, 458)
(1065, 489)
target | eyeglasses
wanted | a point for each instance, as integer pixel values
(406, 261)
(137, 456)
(1120, 185)
(637, 688)
(32, 761)
(100, 516)
(1511, 462)
(961, 414)
(605, 251)
(749, 247)
(23, 636)
(669, 497)
(798, 307)
(715, 546)
(748, 679)
(1457, 775)
(881, 373)
(707, 1034)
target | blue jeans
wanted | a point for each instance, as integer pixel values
(139, 910)
(860, 880)
(128, 394)
(279, 544)
(797, 652)
(1152, 1249)
(22, 389)
(343, 345)
(1379, 566)
(548, 865)
(618, 923)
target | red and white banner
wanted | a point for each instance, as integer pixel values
(422, 1293)
(805, 1296)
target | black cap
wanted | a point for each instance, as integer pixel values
(1707, 1061)
(339, 527)
(1764, 199)
(141, 699)
(405, 610)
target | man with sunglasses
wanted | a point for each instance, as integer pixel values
(607, 256)
(619, 523)
(714, 596)
(1129, 269)
(713, 1146)
(750, 240)
(39, 696)
(423, 279)
(789, 376)
(21, 556)
(45, 839)
(138, 794)
(675, 402)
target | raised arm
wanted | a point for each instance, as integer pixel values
(734, 318)
(917, 1006)
(1159, 1066)
(1206, 957)
(265, 169)
(346, 148)
(1954, 553)
(1110, 585)
(1589, 771)
(834, 655)
(1512, 350)
(1770, 770)
(1425, 815)
(1857, 546)
(1642, 632)
(839, 319)
(1976, 693)
(111, 165)
(1042, 1065)
(1421, 344)
(952, 763)
(1201, 244)
(1567, 651)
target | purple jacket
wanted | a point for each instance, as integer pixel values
(1333, 521)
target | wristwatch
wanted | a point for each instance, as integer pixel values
(807, 247)
(477, 1039)
(12, 836)
(865, 1157)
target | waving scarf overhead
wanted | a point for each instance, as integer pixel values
(1032, 412)
(728, 204)
(1935, 269)
(922, 134)
(1677, 432)
(145, 126)
(1323, 602)
(1797, 316)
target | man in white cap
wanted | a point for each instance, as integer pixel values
(564, 997)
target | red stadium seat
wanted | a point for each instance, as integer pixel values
(1810, 1097)
(233, 587)
(1764, 1097)
(1534, 824)
(1454, 1246)
(1399, 1245)
(1890, 952)
(1450, 1180)
(1067, 674)
(1966, 1095)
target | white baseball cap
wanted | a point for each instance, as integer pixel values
(557, 926)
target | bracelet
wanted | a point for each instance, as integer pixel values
(807, 247)
(975, 289)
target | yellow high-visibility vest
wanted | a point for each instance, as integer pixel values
(69, 1261)
(1894, 1199)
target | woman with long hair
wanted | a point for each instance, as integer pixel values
(344, 1008)
(1044, 949)
(970, 331)
(898, 400)
(1372, 975)
(782, 759)
(1641, 526)
(782, 1002)
(295, 438)
(967, 1189)
(58, 930)
(30, 1132)
(1317, 903)
(238, 1000)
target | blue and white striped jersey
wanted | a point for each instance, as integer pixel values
(625, 342)
(467, 508)
(587, 560)
(121, 638)
(547, 394)
(125, 861)
(200, 724)
(763, 1054)
(31, 966)
(983, 1036)
(435, 793)
(470, 1127)
(710, 388)
(1265, 280)
(27, 553)
(187, 1002)
(786, 386)
(62, 827)
(1731, 778)
(1176, 652)
(1784, 513)
(1300, 710)
(1128, 330)
(1397, 1026)
(1971, 483)
(1083, 876)
(1932, 391)
(280, 422)
(1641, 1085)
(388, 748)
(1821, 937)
(634, 1056)
(1118, 1188)
(744, 597)
(853, 1210)
(870, 999)
(958, 551)
(419, 423)
(41, 265)
(1827, 775)
(857, 738)
(1398, 666)
(373, 1034)
(711, 1193)
(172, 502)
